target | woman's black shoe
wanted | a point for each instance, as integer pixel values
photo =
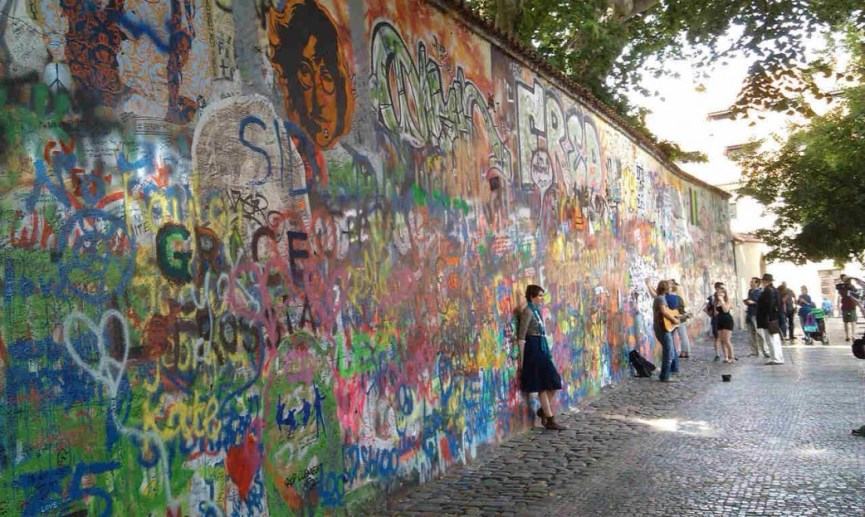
(540, 414)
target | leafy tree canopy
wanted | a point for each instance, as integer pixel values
(815, 183)
(608, 45)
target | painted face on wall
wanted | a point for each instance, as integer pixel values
(304, 52)
(319, 111)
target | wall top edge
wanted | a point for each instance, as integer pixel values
(527, 55)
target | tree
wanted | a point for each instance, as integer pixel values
(607, 45)
(815, 183)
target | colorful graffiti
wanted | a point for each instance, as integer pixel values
(285, 285)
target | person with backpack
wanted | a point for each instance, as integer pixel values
(535, 370)
(848, 296)
(788, 311)
(724, 323)
(711, 310)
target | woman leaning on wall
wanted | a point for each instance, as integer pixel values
(535, 370)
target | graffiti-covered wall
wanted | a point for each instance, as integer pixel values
(262, 257)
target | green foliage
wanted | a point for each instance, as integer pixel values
(815, 185)
(610, 52)
(677, 154)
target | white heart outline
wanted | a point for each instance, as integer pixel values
(103, 372)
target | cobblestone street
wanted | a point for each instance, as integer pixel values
(774, 441)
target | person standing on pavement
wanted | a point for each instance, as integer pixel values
(536, 370)
(788, 298)
(781, 303)
(848, 295)
(676, 303)
(758, 346)
(713, 316)
(724, 322)
(805, 304)
(662, 317)
(681, 331)
(768, 319)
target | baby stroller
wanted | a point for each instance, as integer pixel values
(814, 326)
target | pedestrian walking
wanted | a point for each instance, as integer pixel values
(663, 321)
(848, 300)
(788, 302)
(805, 304)
(724, 322)
(782, 323)
(536, 370)
(768, 319)
(758, 345)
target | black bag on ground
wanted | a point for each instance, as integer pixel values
(642, 367)
(859, 349)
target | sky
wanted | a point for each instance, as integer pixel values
(679, 113)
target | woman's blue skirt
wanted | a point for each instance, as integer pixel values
(539, 372)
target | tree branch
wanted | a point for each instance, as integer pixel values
(626, 9)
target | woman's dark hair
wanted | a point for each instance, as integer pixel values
(532, 291)
(306, 20)
(663, 287)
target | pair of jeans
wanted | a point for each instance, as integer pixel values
(669, 359)
(790, 324)
(758, 345)
(684, 341)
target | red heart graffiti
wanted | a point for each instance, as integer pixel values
(242, 463)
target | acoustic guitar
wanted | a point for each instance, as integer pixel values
(670, 325)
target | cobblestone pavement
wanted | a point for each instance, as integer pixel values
(774, 441)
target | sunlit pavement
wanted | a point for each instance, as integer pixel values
(774, 441)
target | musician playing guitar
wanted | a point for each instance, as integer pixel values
(663, 316)
(672, 322)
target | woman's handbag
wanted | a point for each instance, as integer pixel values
(773, 327)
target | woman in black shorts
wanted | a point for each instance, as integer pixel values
(725, 323)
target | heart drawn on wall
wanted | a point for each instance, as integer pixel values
(242, 462)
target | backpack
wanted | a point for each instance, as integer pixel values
(709, 308)
(859, 348)
(641, 366)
